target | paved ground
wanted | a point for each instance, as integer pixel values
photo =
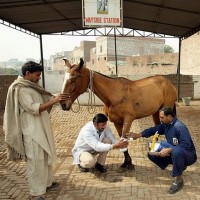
(147, 183)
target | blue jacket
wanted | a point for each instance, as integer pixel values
(176, 134)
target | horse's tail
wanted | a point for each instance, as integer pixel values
(174, 108)
(105, 110)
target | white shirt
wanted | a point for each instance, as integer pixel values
(89, 140)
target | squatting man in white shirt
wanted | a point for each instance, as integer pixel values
(95, 138)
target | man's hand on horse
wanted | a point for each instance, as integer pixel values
(121, 144)
(61, 97)
(133, 135)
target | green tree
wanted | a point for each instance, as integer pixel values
(168, 49)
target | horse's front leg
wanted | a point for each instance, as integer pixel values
(127, 164)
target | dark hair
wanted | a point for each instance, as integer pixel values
(168, 111)
(31, 67)
(100, 118)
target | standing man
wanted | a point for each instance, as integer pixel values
(27, 127)
(178, 150)
(95, 138)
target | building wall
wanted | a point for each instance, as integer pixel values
(86, 46)
(125, 46)
(59, 64)
(190, 55)
(92, 63)
(83, 51)
(128, 46)
(56, 62)
(5, 82)
(165, 63)
(196, 80)
(186, 84)
(99, 55)
(77, 53)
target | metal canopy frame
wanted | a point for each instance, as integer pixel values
(105, 31)
(10, 25)
(154, 18)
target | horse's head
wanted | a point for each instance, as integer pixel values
(75, 83)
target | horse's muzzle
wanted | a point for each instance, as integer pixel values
(65, 106)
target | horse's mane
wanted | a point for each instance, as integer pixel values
(121, 78)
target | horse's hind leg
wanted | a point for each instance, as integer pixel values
(105, 110)
(156, 118)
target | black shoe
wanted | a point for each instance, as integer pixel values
(175, 187)
(100, 168)
(53, 185)
(82, 169)
(39, 198)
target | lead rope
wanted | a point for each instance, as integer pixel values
(91, 99)
(78, 107)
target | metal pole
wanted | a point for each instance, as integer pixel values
(178, 70)
(115, 51)
(42, 61)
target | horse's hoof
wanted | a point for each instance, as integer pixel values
(126, 167)
(129, 173)
(130, 168)
(121, 169)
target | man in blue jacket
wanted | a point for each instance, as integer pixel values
(178, 150)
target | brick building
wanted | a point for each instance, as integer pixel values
(190, 51)
(103, 55)
(55, 62)
(82, 52)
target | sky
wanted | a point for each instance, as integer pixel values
(15, 44)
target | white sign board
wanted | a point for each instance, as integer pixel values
(102, 13)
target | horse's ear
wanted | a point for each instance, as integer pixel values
(81, 63)
(67, 63)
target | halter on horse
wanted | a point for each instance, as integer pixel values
(124, 100)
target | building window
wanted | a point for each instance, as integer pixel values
(98, 59)
(93, 61)
(104, 58)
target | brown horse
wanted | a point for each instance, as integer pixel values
(124, 100)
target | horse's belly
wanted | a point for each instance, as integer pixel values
(115, 116)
